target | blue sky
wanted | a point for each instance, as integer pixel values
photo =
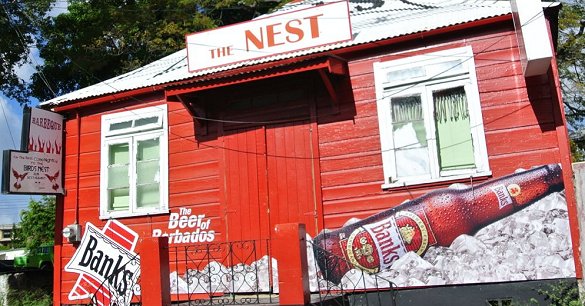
(11, 125)
(10, 128)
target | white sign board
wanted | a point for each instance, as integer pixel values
(107, 264)
(33, 172)
(37, 169)
(275, 34)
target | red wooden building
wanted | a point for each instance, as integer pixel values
(422, 95)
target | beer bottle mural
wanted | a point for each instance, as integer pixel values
(434, 219)
(421, 242)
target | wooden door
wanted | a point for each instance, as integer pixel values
(292, 175)
(246, 199)
(271, 170)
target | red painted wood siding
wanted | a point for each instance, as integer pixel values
(193, 176)
(271, 168)
(518, 121)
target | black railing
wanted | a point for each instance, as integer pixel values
(243, 272)
(357, 287)
(230, 273)
(119, 287)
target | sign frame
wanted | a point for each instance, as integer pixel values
(40, 156)
(291, 34)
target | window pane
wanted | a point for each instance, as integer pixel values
(409, 134)
(148, 149)
(119, 154)
(147, 196)
(148, 162)
(145, 121)
(118, 199)
(118, 166)
(147, 172)
(118, 176)
(454, 140)
(405, 74)
(120, 125)
(446, 68)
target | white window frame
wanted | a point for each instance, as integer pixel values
(463, 75)
(132, 135)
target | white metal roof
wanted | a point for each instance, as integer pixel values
(371, 21)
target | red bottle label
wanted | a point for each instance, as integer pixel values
(505, 194)
(504, 198)
(376, 246)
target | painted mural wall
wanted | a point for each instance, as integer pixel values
(513, 228)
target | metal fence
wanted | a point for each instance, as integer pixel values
(230, 273)
(118, 288)
(356, 288)
(244, 272)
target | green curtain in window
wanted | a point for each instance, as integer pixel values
(148, 173)
(454, 140)
(118, 179)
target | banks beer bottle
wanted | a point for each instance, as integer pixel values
(436, 218)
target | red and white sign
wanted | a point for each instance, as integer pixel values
(37, 169)
(275, 34)
(107, 265)
(34, 172)
(45, 132)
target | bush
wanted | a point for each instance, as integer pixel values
(30, 297)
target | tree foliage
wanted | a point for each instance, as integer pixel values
(37, 225)
(571, 66)
(17, 34)
(571, 62)
(99, 39)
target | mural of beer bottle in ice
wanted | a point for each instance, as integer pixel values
(436, 218)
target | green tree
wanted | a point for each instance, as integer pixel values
(17, 35)
(571, 64)
(99, 39)
(37, 225)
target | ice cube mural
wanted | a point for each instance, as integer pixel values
(530, 244)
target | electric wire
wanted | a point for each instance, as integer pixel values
(7, 125)
(348, 155)
(134, 98)
(23, 43)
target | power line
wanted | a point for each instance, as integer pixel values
(22, 41)
(104, 82)
(7, 125)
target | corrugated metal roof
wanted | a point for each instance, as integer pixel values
(371, 21)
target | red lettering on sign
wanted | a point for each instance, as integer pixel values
(273, 35)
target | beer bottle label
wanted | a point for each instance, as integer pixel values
(377, 245)
(505, 194)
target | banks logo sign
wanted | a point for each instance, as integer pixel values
(107, 265)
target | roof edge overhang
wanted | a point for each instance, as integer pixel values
(330, 61)
(323, 62)
(326, 62)
(115, 97)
